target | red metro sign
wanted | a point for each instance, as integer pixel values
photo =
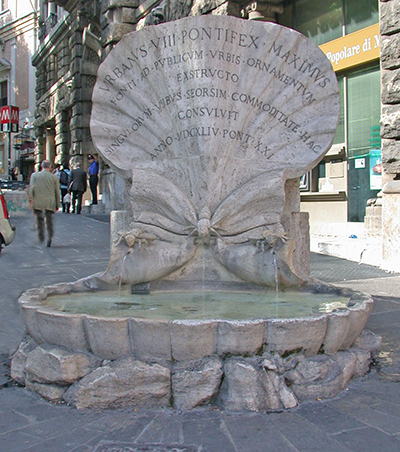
(9, 119)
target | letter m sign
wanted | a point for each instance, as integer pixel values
(9, 119)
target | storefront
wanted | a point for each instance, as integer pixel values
(347, 31)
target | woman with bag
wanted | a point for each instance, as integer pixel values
(64, 176)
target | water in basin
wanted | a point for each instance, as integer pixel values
(177, 305)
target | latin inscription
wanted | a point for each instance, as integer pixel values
(204, 72)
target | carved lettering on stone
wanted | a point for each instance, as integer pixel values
(209, 116)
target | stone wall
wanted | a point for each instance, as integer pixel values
(390, 131)
(66, 66)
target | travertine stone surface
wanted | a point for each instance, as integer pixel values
(391, 157)
(249, 386)
(150, 340)
(51, 392)
(336, 332)
(108, 338)
(240, 337)
(54, 365)
(390, 122)
(195, 383)
(389, 17)
(61, 329)
(208, 117)
(288, 335)
(391, 225)
(390, 57)
(390, 93)
(261, 383)
(322, 376)
(192, 339)
(19, 359)
(125, 382)
(358, 320)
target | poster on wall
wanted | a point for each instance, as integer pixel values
(375, 169)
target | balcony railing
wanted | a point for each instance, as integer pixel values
(48, 25)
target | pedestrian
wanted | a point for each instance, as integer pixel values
(64, 176)
(93, 172)
(77, 186)
(44, 196)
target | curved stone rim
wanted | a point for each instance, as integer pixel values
(115, 337)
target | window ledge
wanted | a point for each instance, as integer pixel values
(323, 196)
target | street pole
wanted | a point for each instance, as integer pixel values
(9, 155)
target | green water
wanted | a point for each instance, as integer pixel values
(198, 305)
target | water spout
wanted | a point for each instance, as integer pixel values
(276, 275)
(122, 272)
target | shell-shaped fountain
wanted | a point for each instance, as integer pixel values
(206, 119)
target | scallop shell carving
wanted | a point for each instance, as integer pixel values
(209, 116)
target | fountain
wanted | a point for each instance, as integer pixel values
(207, 119)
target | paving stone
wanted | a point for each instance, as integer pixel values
(253, 433)
(368, 439)
(305, 436)
(327, 419)
(211, 434)
(164, 428)
(19, 441)
(66, 440)
(371, 417)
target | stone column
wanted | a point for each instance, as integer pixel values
(40, 149)
(50, 145)
(62, 138)
(390, 132)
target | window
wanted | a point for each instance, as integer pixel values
(3, 92)
(364, 110)
(360, 14)
(321, 21)
(325, 20)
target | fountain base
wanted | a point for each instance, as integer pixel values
(257, 363)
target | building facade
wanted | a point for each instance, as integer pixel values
(338, 189)
(18, 42)
(66, 65)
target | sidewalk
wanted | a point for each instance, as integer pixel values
(365, 417)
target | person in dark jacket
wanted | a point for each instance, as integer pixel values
(78, 187)
(93, 172)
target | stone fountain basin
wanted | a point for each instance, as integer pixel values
(176, 340)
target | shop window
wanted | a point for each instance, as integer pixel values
(360, 14)
(364, 110)
(324, 20)
(320, 21)
(3, 93)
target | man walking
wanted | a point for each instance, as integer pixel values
(78, 187)
(44, 194)
(93, 172)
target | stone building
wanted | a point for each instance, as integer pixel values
(390, 132)
(66, 65)
(18, 42)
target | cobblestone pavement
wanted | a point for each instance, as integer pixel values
(365, 417)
